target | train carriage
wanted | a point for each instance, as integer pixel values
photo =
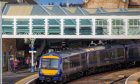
(133, 52)
(73, 63)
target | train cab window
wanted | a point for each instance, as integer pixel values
(49, 64)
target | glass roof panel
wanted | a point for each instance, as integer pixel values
(57, 10)
(100, 10)
(5, 9)
(54, 10)
(37, 10)
(123, 10)
(72, 11)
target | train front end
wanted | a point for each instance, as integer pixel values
(50, 68)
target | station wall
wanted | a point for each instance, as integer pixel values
(112, 3)
(8, 49)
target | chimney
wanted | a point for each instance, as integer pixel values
(67, 4)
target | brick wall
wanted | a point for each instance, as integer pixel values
(6, 43)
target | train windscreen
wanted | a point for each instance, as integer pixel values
(49, 64)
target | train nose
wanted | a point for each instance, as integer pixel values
(49, 72)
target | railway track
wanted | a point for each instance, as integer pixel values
(112, 77)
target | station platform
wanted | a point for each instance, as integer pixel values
(133, 79)
(28, 80)
(13, 77)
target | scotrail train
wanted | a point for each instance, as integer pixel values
(73, 63)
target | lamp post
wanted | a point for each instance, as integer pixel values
(32, 54)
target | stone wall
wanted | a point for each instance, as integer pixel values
(105, 4)
(134, 2)
(8, 45)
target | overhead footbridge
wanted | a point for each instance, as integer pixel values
(41, 21)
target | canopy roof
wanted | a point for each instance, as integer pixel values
(31, 10)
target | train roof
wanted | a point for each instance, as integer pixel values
(72, 52)
(75, 51)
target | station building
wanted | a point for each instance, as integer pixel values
(112, 3)
(35, 21)
(55, 22)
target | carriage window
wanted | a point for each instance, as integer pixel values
(92, 57)
(74, 61)
(120, 52)
(133, 52)
(66, 64)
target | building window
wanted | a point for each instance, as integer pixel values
(4, 59)
(101, 27)
(70, 27)
(118, 27)
(85, 27)
(134, 27)
(54, 27)
(22, 26)
(7, 26)
(38, 26)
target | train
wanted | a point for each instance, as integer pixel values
(63, 66)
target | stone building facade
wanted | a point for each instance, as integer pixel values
(111, 3)
(134, 2)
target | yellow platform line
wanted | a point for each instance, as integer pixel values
(133, 79)
(137, 82)
(27, 79)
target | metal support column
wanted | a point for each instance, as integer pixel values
(62, 26)
(126, 26)
(110, 26)
(30, 26)
(46, 26)
(93, 26)
(77, 26)
(14, 26)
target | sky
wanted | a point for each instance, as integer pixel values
(57, 2)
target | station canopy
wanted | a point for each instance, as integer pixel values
(45, 10)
